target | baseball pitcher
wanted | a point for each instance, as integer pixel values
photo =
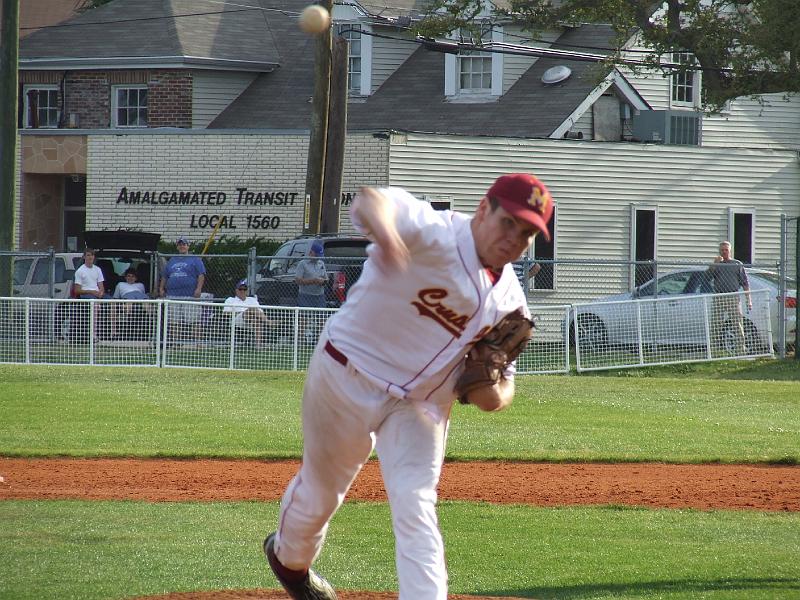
(437, 315)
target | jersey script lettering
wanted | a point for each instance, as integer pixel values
(430, 305)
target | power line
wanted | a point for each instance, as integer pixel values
(246, 8)
(454, 47)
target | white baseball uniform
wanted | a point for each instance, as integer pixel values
(382, 375)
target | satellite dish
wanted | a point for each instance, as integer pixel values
(556, 74)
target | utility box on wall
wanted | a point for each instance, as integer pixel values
(680, 127)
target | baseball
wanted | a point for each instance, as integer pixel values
(314, 19)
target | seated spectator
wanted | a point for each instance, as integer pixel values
(246, 312)
(130, 289)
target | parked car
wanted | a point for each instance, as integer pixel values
(32, 275)
(607, 322)
(343, 256)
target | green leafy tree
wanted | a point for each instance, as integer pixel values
(742, 47)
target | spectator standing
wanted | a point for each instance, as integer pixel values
(728, 275)
(246, 312)
(311, 277)
(183, 279)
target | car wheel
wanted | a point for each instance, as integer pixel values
(752, 340)
(592, 333)
(753, 344)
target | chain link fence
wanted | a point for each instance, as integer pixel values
(551, 286)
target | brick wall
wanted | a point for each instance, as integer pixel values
(170, 99)
(88, 95)
(256, 182)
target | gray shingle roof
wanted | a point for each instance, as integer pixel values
(412, 98)
(151, 29)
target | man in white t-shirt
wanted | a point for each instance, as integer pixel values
(246, 312)
(89, 278)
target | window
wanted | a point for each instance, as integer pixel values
(41, 274)
(21, 268)
(41, 107)
(352, 33)
(474, 76)
(474, 67)
(128, 106)
(684, 83)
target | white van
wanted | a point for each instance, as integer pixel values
(32, 275)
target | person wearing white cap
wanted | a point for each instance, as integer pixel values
(246, 311)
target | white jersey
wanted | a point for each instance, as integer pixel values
(237, 305)
(409, 332)
(89, 278)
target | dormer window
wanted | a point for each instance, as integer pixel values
(686, 84)
(474, 75)
(475, 71)
(352, 33)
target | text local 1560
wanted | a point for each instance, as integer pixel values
(234, 221)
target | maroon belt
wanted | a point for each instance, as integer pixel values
(335, 354)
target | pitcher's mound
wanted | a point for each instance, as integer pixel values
(279, 595)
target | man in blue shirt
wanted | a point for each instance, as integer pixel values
(183, 279)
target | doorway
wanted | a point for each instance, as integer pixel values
(74, 213)
(643, 243)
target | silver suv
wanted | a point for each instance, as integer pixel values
(32, 275)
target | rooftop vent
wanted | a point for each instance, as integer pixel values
(556, 74)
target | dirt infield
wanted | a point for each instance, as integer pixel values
(705, 487)
(746, 487)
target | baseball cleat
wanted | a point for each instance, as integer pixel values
(312, 587)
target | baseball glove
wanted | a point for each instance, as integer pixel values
(488, 358)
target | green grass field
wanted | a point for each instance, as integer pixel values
(730, 412)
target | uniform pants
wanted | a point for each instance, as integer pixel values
(344, 416)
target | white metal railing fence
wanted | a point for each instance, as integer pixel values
(671, 329)
(198, 334)
(548, 351)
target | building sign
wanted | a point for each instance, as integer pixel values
(222, 202)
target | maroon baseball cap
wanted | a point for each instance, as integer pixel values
(525, 197)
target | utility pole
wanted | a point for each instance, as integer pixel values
(9, 49)
(337, 133)
(317, 143)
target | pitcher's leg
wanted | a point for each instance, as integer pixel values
(410, 446)
(337, 441)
